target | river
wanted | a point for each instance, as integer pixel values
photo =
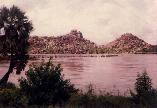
(105, 73)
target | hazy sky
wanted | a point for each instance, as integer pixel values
(99, 20)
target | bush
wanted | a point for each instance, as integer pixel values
(10, 96)
(9, 85)
(44, 85)
(145, 94)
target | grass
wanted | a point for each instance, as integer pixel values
(89, 99)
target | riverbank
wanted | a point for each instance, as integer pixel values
(45, 86)
(88, 99)
(40, 56)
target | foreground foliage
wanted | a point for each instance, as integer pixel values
(145, 95)
(90, 99)
(10, 96)
(45, 85)
(15, 28)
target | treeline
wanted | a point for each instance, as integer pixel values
(45, 86)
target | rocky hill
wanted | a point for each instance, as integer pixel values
(75, 43)
(72, 43)
(128, 43)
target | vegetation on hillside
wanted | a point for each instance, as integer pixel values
(72, 43)
(75, 43)
(128, 43)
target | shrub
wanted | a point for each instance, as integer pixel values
(145, 93)
(143, 84)
(45, 85)
(10, 96)
(9, 85)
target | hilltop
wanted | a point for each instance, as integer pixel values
(71, 43)
(128, 43)
(75, 43)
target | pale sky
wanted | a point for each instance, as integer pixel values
(101, 21)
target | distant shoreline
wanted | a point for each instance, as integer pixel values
(40, 56)
(34, 56)
(146, 53)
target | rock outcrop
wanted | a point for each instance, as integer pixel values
(75, 43)
(127, 43)
(72, 43)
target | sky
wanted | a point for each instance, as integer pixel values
(101, 21)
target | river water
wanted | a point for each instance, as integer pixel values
(105, 73)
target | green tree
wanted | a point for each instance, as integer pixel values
(145, 94)
(15, 28)
(44, 85)
(143, 84)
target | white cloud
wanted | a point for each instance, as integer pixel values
(99, 20)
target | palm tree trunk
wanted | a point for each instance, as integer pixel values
(5, 78)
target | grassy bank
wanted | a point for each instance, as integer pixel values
(79, 100)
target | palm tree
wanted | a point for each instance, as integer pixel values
(15, 28)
